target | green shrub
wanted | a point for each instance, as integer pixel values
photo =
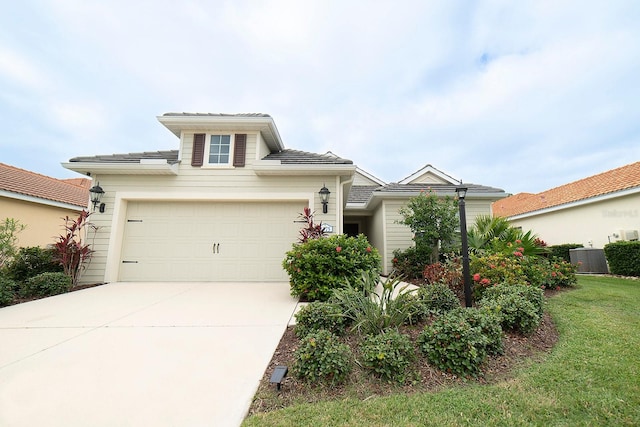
(31, 261)
(623, 258)
(520, 307)
(372, 313)
(7, 291)
(321, 357)
(530, 293)
(562, 251)
(46, 284)
(411, 262)
(389, 355)
(319, 266)
(489, 324)
(319, 315)
(437, 298)
(454, 345)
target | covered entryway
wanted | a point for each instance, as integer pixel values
(207, 241)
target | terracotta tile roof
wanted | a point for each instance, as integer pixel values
(622, 178)
(72, 191)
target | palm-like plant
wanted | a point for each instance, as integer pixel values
(496, 235)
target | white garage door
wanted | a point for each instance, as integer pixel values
(216, 241)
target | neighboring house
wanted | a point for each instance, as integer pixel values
(225, 206)
(40, 202)
(592, 211)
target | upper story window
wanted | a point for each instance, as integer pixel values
(219, 149)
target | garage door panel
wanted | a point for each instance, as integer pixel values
(172, 241)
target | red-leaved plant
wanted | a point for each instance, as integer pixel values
(71, 250)
(311, 230)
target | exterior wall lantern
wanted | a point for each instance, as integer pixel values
(324, 197)
(466, 276)
(96, 193)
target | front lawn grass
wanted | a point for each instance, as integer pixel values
(592, 377)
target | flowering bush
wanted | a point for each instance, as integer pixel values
(538, 272)
(319, 266)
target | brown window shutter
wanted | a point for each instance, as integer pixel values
(240, 149)
(197, 156)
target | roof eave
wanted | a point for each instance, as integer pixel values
(123, 168)
(263, 124)
(274, 167)
(42, 201)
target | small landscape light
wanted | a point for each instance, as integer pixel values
(278, 376)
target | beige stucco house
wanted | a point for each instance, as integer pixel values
(593, 211)
(40, 202)
(225, 205)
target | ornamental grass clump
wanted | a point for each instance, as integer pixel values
(322, 358)
(319, 315)
(371, 313)
(389, 355)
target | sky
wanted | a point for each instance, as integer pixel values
(523, 96)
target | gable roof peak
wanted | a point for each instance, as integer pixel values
(429, 169)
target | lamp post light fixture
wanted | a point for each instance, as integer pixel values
(96, 196)
(466, 276)
(324, 198)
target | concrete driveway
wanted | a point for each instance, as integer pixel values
(139, 354)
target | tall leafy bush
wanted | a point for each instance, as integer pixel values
(30, 262)
(9, 228)
(7, 291)
(319, 266)
(433, 221)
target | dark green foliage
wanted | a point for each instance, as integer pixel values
(319, 315)
(411, 262)
(562, 251)
(30, 262)
(623, 258)
(46, 284)
(321, 357)
(389, 355)
(7, 291)
(454, 344)
(520, 307)
(530, 293)
(437, 298)
(319, 266)
(489, 324)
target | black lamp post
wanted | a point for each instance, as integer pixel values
(324, 198)
(466, 276)
(96, 195)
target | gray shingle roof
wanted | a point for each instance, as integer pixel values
(171, 156)
(361, 193)
(394, 187)
(296, 157)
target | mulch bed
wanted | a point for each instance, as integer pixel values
(518, 350)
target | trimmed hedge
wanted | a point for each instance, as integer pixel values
(623, 258)
(46, 284)
(7, 291)
(31, 261)
(319, 315)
